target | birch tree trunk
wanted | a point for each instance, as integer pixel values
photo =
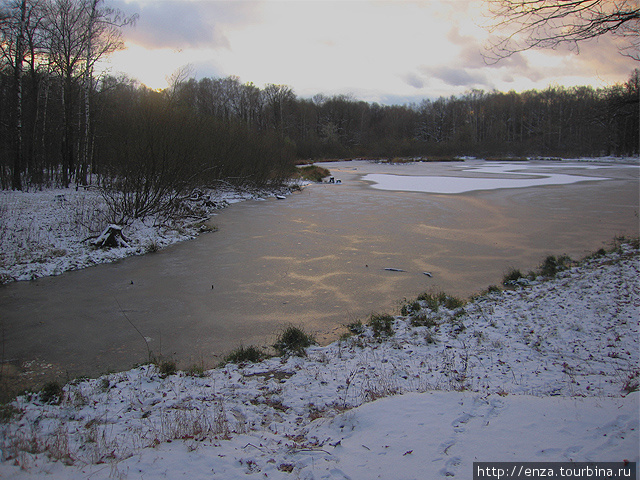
(17, 159)
(84, 154)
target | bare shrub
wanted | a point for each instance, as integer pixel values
(4, 223)
(379, 387)
(185, 422)
(57, 445)
(87, 214)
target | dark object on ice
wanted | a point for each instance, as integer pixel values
(332, 180)
(281, 197)
(428, 274)
(111, 237)
(394, 270)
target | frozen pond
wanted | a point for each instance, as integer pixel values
(483, 176)
(316, 259)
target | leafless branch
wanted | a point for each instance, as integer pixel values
(527, 24)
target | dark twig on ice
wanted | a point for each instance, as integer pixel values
(136, 328)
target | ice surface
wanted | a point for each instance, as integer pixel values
(506, 175)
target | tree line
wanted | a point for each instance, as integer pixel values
(61, 125)
(556, 121)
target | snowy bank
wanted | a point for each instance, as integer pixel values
(546, 372)
(49, 232)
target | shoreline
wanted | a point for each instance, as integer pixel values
(54, 237)
(64, 246)
(559, 355)
(265, 280)
(15, 379)
(51, 210)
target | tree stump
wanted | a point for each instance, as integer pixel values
(111, 237)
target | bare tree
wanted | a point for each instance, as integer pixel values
(103, 37)
(17, 165)
(277, 98)
(80, 33)
(527, 24)
(12, 47)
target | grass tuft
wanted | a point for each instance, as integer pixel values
(355, 328)
(382, 325)
(8, 412)
(434, 301)
(51, 393)
(409, 308)
(552, 265)
(250, 354)
(293, 341)
(511, 277)
(195, 370)
(423, 320)
(167, 367)
(632, 382)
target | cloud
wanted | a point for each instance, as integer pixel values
(413, 80)
(207, 68)
(457, 76)
(377, 49)
(182, 24)
(590, 57)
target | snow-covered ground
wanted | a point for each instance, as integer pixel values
(49, 232)
(546, 372)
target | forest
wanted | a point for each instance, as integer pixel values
(61, 124)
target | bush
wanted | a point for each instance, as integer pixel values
(409, 308)
(432, 300)
(7, 412)
(435, 300)
(293, 341)
(382, 325)
(600, 253)
(250, 354)
(51, 393)
(491, 289)
(512, 277)
(196, 371)
(620, 240)
(355, 328)
(423, 320)
(167, 367)
(552, 265)
(452, 303)
(313, 173)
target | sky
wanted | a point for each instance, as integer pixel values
(385, 51)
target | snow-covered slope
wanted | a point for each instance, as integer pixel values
(49, 232)
(545, 372)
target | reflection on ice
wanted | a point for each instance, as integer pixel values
(505, 175)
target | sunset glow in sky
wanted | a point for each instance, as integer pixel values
(390, 52)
